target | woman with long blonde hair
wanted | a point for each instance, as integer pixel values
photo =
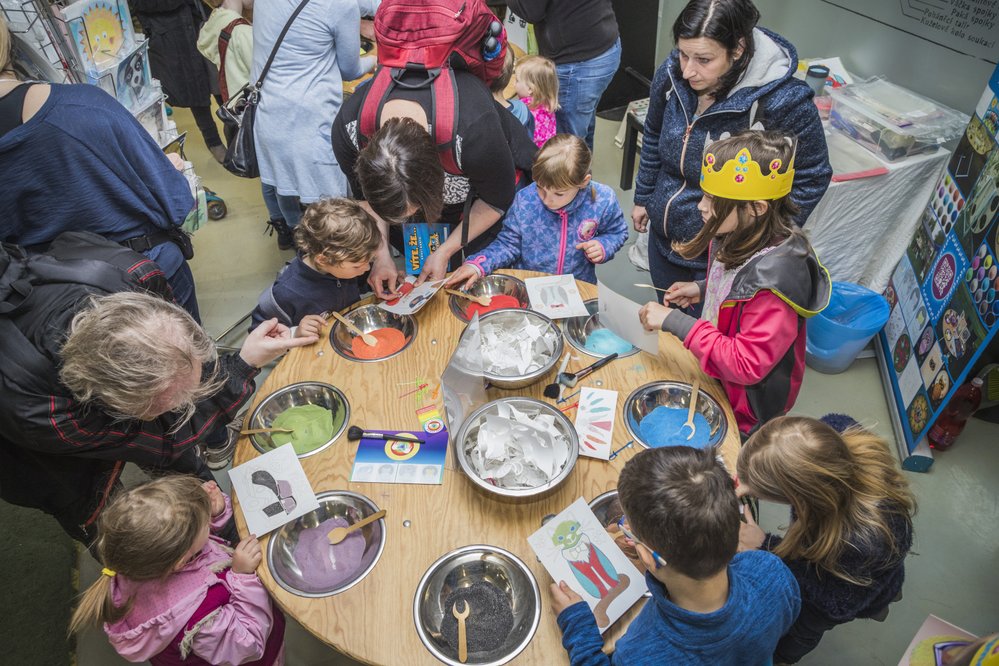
(851, 520)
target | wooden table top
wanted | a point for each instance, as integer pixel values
(373, 621)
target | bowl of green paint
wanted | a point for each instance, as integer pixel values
(316, 413)
(655, 413)
(588, 335)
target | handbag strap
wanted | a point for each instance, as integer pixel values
(277, 44)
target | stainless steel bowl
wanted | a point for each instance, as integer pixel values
(513, 318)
(577, 330)
(607, 508)
(469, 432)
(296, 395)
(463, 568)
(491, 285)
(370, 318)
(672, 394)
(349, 506)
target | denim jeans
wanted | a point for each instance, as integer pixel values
(580, 85)
(281, 207)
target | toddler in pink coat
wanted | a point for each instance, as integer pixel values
(537, 86)
(173, 593)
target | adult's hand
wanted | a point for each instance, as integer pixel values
(640, 219)
(268, 341)
(384, 276)
(434, 266)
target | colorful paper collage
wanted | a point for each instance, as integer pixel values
(944, 293)
(272, 490)
(595, 422)
(401, 460)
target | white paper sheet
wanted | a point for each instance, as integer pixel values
(254, 482)
(575, 535)
(621, 316)
(412, 301)
(556, 296)
(595, 422)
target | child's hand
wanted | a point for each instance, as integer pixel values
(215, 497)
(247, 555)
(652, 315)
(683, 294)
(594, 251)
(562, 597)
(466, 274)
(751, 536)
(311, 325)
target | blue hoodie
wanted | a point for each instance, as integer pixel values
(766, 95)
(535, 238)
(762, 603)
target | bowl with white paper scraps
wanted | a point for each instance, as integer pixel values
(517, 449)
(518, 347)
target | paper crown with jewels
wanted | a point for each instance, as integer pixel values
(742, 179)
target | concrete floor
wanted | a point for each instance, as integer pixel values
(948, 572)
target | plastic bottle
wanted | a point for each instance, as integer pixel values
(954, 417)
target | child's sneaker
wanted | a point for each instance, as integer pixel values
(219, 457)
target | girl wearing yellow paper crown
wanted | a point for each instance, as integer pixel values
(763, 279)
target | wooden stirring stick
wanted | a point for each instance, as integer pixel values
(338, 534)
(665, 291)
(484, 301)
(261, 431)
(367, 338)
(462, 637)
(694, 394)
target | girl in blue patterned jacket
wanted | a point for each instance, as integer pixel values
(562, 223)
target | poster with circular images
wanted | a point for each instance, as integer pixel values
(947, 272)
(918, 414)
(982, 209)
(959, 331)
(925, 245)
(982, 280)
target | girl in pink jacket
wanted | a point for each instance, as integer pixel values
(172, 593)
(763, 279)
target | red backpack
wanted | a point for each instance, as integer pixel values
(432, 36)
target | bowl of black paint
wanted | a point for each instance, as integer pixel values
(503, 598)
(673, 399)
(577, 332)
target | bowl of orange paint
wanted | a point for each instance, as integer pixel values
(393, 334)
(506, 292)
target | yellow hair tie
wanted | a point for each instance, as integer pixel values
(108, 572)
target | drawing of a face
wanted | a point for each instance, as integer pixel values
(104, 32)
(567, 534)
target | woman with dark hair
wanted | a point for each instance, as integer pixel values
(725, 75)
(399, 174)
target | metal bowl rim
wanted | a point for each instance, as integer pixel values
(272, 540)
(495, 550)
(723, 429)
(456, 309)
(337, 325)
(284, 389)
(580, 348)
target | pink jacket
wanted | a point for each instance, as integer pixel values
(235, 634)
(757, 350)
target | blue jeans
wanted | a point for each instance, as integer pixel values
(580, 85)
(281, 207)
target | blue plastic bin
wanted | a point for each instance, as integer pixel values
(837, 334)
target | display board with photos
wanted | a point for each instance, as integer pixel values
(944, 293)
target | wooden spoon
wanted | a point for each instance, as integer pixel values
(338, 534)
(665, 291)
(367, 338)
(694, 393)
(260, 431)
(462, 638)
(484, 301)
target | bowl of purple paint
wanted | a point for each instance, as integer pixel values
(655, 415)
(302, 560)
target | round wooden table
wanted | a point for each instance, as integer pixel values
(373, 621)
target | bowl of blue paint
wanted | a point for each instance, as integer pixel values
(655, 413)
(588, 335)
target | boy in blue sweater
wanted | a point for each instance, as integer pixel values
(709, 605)
(562, 223)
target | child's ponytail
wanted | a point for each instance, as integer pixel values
(96, 606)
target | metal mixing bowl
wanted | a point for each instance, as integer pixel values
(469, 432)
(370, 318)
(463, 568)
(491, 285)
(352, 507)
(296, 395)
(514, 318)
(672, 394)
(578, 329)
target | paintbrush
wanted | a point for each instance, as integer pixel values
(355, 432)
(570, 379)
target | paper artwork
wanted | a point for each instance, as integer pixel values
(413, 298)
(621, 316)
(574, 547)
(100, 30)
(516, 449)
(272, 490)
(595, 422)
(556, 296)
(401, 460)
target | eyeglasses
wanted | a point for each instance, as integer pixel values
(659, 560)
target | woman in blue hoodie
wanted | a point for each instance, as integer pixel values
(725, 75)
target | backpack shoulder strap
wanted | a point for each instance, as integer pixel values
(375, 94)
(224, 36)
(444, 120)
